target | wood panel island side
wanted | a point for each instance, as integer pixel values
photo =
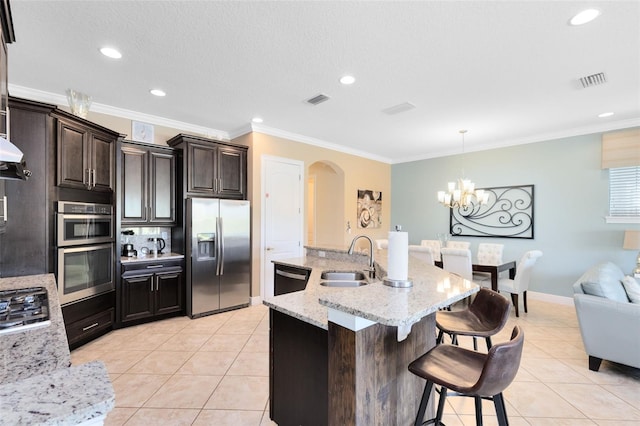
(339, 356)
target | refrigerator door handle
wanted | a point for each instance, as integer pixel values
(217, 246)
(221, 245)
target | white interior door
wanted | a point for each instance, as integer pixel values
(282, 214)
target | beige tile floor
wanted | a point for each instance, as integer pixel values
(214, 371)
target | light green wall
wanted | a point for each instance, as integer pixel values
(571, 201)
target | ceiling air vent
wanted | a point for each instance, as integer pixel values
(397, 109)
(318, 99)
(593, 80)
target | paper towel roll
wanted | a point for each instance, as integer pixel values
(398, 256)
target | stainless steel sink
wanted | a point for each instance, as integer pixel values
(343, 276)
(350, 283)
(343, 279)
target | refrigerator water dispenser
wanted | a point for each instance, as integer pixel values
(206, 246)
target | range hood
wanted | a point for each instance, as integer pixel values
(12, 165)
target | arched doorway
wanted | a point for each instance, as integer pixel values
(325, 205)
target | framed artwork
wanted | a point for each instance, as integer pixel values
(508, 214)
(141, 132)
(369, 209)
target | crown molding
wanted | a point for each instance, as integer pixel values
(568, 133)
(57, 99)
(315, 142)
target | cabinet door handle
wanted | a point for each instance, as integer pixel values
(93, 178)
(151, 287)
(157, 280)
(87, 181)
(4, 208)
(89, 327)
(154, 266)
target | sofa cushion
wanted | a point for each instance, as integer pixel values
(632, 287)
(604, 280)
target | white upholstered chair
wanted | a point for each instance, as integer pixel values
(435, 248)
(458, 244)
(382, 244)
(457, 261)
(423, 253)
(520, 283)
(488, 254)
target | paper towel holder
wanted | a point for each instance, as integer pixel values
(397, 283)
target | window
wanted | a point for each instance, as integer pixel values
(624, 195)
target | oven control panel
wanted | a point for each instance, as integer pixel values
(84, 208)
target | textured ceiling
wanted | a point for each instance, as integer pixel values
(506, 71)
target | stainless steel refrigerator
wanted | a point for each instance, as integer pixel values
(218, 255)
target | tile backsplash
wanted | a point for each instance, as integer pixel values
(141, 235)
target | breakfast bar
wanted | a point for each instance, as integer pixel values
(339, 355)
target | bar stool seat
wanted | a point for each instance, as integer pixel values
(469, 373)
(485, 316)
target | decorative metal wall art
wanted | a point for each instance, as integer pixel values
(507, 214)
(369, 208)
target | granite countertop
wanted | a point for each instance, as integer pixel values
(151, 257)
(38, 385)
(66, 396)
(39, 350)
(433, 288)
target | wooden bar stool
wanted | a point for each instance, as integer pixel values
(469, 373)
(485, 316)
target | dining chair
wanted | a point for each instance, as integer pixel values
(458, 244)
(520, 283)
(469, 373)
(423, 253)
(435, 248)
(488, 254)
(485, 316)
(382, 244)
(457, 261)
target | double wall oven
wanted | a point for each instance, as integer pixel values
(85, 245)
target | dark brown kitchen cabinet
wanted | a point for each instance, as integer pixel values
(150, 290)
(85, 155)
(89, 318)
(148, 186)
(212, 168)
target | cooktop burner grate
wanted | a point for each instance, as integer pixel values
(23, 308)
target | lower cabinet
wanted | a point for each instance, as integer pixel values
(150, 290)
(90, 318)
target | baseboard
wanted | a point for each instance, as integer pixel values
(551, 298)
(257, 300)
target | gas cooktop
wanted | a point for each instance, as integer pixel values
(23, 309)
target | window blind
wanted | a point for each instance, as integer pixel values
(621, 149)
(624, 192)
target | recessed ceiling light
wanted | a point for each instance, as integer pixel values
(110, 52)
(347, 79)
(257, 120)
(584, 17)
(157, 92)
(605, 114)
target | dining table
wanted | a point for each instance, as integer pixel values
(493, 270)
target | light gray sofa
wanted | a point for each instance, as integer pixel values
(609, 322)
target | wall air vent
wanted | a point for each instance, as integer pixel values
(318, 99)
(397, 109)
(593, 80)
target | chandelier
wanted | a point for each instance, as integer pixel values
(462, 192)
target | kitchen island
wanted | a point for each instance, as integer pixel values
(339, 356)
(38, 385)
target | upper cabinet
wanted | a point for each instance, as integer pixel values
(212, 168)
(7, 36)
(148, 193)
(85, 155)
